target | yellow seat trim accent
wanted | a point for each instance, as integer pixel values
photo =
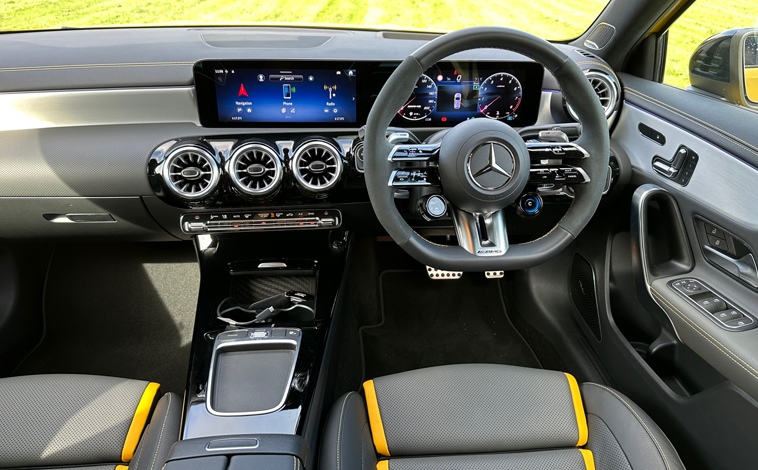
(138, 421)
(375, 419)
(383, 465)
(122, 467)
(581, 418)
(589, 460)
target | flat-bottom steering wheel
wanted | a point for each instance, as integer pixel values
(498, 155)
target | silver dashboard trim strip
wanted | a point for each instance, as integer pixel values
(720, 179)
(124, 106)
(47, 109)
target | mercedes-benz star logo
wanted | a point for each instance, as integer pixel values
(496, 164)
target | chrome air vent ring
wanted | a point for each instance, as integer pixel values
(255, 169)
(316, 166)
(190, 172)
(607, 90)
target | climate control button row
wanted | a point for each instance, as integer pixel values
(208, 222)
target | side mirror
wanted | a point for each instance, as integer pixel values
(726, 65)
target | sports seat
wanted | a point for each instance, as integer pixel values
(85, 422)
(491, 417)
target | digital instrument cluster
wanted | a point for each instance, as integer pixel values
(454, 92)
(340, 94)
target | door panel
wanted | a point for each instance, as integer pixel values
(717, 192)
(699, 357)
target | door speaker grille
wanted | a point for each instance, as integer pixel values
(583, 293)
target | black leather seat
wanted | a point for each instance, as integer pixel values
(86, 422)
(493, 417)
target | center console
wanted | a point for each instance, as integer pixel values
(260, 368)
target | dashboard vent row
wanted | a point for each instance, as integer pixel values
(607, 90)
(191, 172)
(317, 166)
(255, 169)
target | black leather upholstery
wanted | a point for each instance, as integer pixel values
(85, 422)
(347, 439)
(161, 433)
(619, 430)
(620, 435)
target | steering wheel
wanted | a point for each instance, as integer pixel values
(482, 165)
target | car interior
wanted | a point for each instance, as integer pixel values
(340, 248)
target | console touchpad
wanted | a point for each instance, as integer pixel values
(251, 375)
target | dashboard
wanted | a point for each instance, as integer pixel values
(340, 94)
(89, 129)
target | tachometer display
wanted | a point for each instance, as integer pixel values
(500, 96)
(422, 101)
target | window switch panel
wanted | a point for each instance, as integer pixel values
(710, 303)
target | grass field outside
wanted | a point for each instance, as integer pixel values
(551, 19)
(701, 21)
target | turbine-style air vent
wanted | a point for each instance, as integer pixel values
(190, 172)
(317, 166)
(255, 170)
(606, 90)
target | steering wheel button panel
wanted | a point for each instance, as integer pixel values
(405, 178)
(558, 174)
(544, 150)
(415, 153)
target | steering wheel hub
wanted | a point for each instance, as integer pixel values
(484, 165)
(495, 163)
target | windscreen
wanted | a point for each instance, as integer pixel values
(550, 19)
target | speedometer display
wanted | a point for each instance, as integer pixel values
(500, 96)
(422, 101)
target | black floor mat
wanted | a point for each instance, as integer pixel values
(430, 323)
(123, 310)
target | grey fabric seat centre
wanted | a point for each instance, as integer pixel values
(86, 422)
(491, 417)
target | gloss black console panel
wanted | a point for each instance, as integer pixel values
(248, 268)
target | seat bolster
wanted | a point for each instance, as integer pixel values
(623, 436)
(346, 442)
(161, 433)
(66, 420)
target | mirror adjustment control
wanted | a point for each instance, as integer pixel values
(690, 286)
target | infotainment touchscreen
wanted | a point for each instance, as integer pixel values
(244, 94)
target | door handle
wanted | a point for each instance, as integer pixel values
(743, 268)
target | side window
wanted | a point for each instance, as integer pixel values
(713, 48)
